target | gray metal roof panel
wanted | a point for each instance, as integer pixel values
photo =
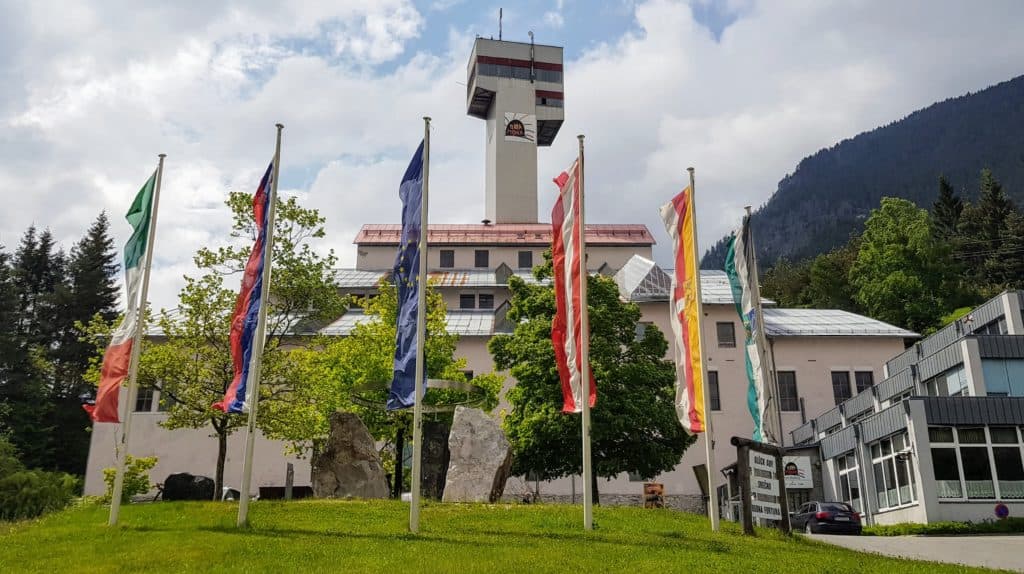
(825, 323)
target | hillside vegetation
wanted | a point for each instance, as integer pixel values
(830, 193)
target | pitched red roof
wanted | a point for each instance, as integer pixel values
(505, 234)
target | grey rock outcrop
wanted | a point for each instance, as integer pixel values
(348, 465)
(481, 458)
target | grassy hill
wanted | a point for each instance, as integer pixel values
(357, 536)
(831, 192)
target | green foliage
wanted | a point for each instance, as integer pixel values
(372, 536)
(902, 274)
(1006, 526)
(946, 211)
(333, 369)
(136, 477)
(634, 425)
(191, 363)
(30, 493)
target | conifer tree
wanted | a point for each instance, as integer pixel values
(946, 211)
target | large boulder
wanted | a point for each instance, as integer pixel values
(184, 486)
(435, 459)
(481, 458)
(348, 464)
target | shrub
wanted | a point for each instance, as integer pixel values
(30, 493)
(9, 463)
(1009, 525)
(136, 477)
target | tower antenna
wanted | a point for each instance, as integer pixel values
(499, 24)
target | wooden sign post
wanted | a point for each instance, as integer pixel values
(759, 472)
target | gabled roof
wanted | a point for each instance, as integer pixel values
(535, 234)
(641, 279)
(459, 322)
(827, 323)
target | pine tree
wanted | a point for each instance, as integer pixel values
(946, 211)
(981, 231)
(91, 290)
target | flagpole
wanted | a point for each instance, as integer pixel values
(421, 340)
(256, 361)
(133, 364)
(772, 380)
(709, 449)
(588, 471)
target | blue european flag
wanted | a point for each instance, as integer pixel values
(407, 264)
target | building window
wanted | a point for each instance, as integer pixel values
(526, 259)
(788, 398)
(144, 400)
(164, 403)
(447, 259)
(849, 481)
(486, 301)
(467, 301)
(726, 334)
(482, 258)
(951, 383)
(893, 470)
(864, 380)
(468, 373)
(964, 459)
(641, 330)
(716, 398)
(840, 386)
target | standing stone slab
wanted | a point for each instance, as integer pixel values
(348, 465)
(435, 459)
(481, 458)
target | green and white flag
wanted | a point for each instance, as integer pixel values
(741, 267)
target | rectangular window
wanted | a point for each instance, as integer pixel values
(144, 400)
(482, 258)
(447, 259)
(864, 380)
(1009, 472)
(788, 398)
(526, 259)
(467, 301)
(486, 301)
(164, 404)
(940, 434)
(840, 386)
(1003, 435)
(947, 473)
(971, 435)
(977, 472)
(726, 334)
(716, 399)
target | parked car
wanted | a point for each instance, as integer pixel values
(826, 518)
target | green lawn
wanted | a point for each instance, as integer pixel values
(356, 536)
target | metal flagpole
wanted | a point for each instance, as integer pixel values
(133, 361)
(256, 361)
(421, 340)
(709, 449)
(772, 381)
(588, 471)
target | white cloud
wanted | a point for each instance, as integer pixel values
(88, 100)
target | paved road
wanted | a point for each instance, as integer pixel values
(1005, 552)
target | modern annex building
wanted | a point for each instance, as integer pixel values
(823, 357)
(942, 436)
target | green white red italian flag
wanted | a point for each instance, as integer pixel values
(117, 359)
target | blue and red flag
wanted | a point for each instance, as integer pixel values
(245, 318)
(407, 280)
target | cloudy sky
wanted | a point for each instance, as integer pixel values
(92, 91)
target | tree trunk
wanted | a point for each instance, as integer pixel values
(222, 453)
(396, 487)
(593, 485)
